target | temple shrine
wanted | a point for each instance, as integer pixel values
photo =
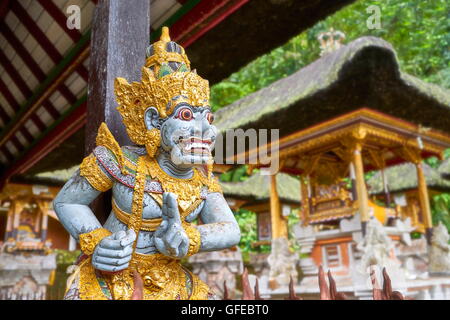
(356, 126)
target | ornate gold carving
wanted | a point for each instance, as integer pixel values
(163, 278)
(91, 170)
(382, 131)
(214, 186)
(187, 190)
(135, 98)
(106, 139)
(161, 55)
(153, 141)
(89, 240)
(146, 224)
(409, 154)
(194, 238)
(137, 206)
(88, 286)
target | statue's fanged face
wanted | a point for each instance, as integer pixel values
(188, 135)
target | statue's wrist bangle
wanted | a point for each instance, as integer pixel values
(194, 239)
(89, 240)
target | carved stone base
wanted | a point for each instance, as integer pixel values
(282, 264)
(218, 266)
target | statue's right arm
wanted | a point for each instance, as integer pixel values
(113, 251)
(71, 206)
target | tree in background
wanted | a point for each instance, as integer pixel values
(418, 30)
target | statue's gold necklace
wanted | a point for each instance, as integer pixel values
(187, 190)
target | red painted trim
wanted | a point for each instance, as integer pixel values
(83, 72)
(17, 143)
(38, 122)
(9, 96)
(60, 18)
(35, 31)
(22, 52)
(4, 115)
(70, 97)
(23, 87)
(4, 8)
(9, 156)
(59, 134)
(9, 68)
(40, 36)
(34, 68)
(51, 109)
(26, 134)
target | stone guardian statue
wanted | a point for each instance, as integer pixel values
(160, 186)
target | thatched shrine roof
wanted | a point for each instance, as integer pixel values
(404, 177)
(257, 187)
(444, 169)
(363, 73)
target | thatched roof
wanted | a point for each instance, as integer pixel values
(444, 169)
(255, 29)
(404, 177)
(257, 187)
(363, 73)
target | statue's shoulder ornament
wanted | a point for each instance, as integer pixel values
(109, 163)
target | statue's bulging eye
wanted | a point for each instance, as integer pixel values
(185, 114)
(210, 117)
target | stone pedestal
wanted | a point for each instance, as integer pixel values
(25, 277)
(218, 266)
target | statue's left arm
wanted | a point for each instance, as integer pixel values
(220, 229)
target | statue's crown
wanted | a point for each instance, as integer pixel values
(166, 81)
(164, 52)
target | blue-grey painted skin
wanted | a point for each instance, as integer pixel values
(219, 231)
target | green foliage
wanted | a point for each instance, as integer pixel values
(440, 208)
(418, 30)
(247, 223)
(66, 257)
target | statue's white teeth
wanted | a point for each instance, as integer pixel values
(197, 147)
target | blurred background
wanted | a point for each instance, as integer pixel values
(302, 67)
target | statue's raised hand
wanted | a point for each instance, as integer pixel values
(113, 253)
(170, 238)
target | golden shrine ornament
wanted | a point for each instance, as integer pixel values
(158, 89)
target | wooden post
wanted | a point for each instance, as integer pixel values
(16, 219)
(44, 226)
(120, 36)
(304, 212)
(279, 224)
(387, 194)
(424, 201)
(361, 190)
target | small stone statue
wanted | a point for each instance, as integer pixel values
(376, 246)
(159, 187)
(282, 264)
(439, 251)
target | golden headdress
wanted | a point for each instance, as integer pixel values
(160, 84)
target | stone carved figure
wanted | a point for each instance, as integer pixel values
(159, 187)
(439, 258)
(282, 264)
(376, 246)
